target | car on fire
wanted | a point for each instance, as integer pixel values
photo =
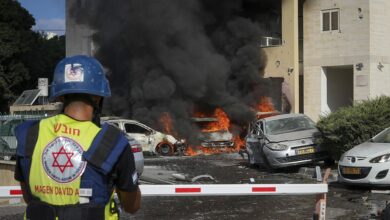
(367, 163)
(213, 138)
(151, 141)
(283, 140)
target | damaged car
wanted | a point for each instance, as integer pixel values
(151, 141)
(282, 141)
(213, 137)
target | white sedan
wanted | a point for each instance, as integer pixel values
(367, 163)
(151, 141)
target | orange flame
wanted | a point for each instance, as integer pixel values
(190, 151)
(222, 123)
(265, 105)
(196, 150)
(239, 143)
(166, 121)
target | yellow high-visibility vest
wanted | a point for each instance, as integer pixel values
(57, 164)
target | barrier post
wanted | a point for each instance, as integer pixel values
(320, 210)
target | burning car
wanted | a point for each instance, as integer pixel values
(151, 141)
(283, 140)
(211, 135)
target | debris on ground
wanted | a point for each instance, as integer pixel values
(183, 177)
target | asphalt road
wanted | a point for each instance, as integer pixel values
(343, 203)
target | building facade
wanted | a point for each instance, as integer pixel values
(346, 53)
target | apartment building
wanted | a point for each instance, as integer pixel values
(346, 53)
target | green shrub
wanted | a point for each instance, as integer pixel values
(350, 126)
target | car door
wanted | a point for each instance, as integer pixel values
(140, 134)
(254, 142)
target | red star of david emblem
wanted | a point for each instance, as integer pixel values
(65, 154)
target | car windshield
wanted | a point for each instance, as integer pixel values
(383, 137)
(286, 125)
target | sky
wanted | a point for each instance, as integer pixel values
(49, 14)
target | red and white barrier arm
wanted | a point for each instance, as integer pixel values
(209, 190)
(233, 189)
(10, 192)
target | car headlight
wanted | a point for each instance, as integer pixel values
(381, 159)
(277, 147)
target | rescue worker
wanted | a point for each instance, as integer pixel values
(67, 165)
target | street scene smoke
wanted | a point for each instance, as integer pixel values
(180, 57)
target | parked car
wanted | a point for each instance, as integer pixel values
(8, 140)
(7, 135)
(6, 153)
(138, 155)
(151, 141)
(367, 163)
(283, 140)
(212, 138)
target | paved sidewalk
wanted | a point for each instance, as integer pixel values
(12, 212)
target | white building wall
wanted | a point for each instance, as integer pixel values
(312, 90)
(347, 46)
(380, 47)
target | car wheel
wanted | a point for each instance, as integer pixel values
(165, 149)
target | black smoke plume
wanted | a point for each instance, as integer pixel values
(181, 56)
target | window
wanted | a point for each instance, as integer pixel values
(257, 128)
(132, 128)
(115, 124)
(330, 20)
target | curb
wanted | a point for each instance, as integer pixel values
(310, 172)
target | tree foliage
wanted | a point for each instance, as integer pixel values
(15, 36)
(351, 126)
(25, 55)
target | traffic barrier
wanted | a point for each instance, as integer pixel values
(10, 192)
(209, 190)
(320, 189)
(233, 189)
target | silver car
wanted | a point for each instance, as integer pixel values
(138, 155)
(282, 141)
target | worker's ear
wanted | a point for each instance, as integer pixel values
(96, 100)
(97, 109)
